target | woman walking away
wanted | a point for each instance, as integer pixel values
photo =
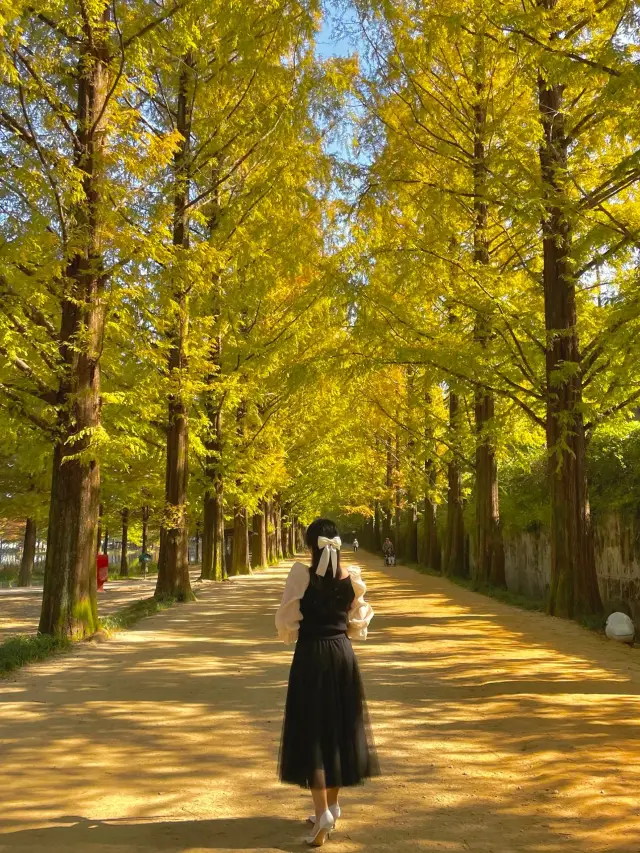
(326, 743)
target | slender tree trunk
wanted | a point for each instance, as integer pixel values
(430, 557)
(124, 556)
(574, 586)
(259, 549)
(213, 561)
(213, 556)
(489, 564)
(240, 564)
(173, 564)
(454, 561)
(28, 553)
(105, 544)
(69, 605)
(145, 528)
(271, 537)
(377, 527)
(278, 525)
(99, 535)
(411, 550)
(198, 542)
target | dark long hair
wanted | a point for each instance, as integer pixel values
(320, 527)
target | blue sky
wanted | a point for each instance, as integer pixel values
(330, 42)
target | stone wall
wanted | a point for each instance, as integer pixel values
(617, 543)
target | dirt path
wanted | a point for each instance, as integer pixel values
(20, 606)
(497, 730)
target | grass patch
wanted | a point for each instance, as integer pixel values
(136, 570)
(16, 652)
(516, 599)
(22, 649)
(132, 613)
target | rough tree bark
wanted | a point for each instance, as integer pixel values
(99, 535)
(489, 551)
(259, 545)
(271, 531)
(277, 512)
(431, 555)
(28, 553)
(173, 563)
(213, 558)
(377, 527)
(124, 556)
(240, 564)
(145, 528)
(454, 554)
(574, 587)
(69, 607)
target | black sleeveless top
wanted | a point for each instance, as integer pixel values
(324, 607)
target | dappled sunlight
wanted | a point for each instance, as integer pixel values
(497, 730)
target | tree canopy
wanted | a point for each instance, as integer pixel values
(242, 284)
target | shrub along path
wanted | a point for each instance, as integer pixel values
(497, 730)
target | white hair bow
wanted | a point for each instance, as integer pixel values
(330, 548)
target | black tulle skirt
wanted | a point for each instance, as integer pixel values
(326, 737)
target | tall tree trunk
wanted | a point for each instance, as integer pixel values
(271, 531)
(124, 555)
(69, 606)
(574, 586)
(197, 542)
(430, 556)
(145, 528)
(105, 544)
(411, 549)
(454, 559)
(278, 525)
(213, 556)
(377, 527)
(259, 547)
(28, 553)
(240, 564)
(99, 535)
(387, 518)
(489, 563)
(173, 564)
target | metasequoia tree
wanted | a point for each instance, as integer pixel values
(62, 125)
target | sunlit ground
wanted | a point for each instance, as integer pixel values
(497, 730)
(20, 607)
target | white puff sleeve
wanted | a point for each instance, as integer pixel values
(288, 615)
(360, 613)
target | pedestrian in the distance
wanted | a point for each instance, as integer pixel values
(355, 545)
(326, 741)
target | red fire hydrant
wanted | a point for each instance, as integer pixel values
(102, 568)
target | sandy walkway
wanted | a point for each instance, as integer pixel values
(20, 607)
(497, 730)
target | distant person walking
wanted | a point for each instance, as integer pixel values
(389, 552)
(355, 545)
(326, 743)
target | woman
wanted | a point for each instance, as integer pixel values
(325, 739)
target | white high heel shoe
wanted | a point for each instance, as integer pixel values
(322, 830)
(335, 811)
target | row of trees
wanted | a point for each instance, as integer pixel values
(498, 226)
(204, 315)
(164, 269)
